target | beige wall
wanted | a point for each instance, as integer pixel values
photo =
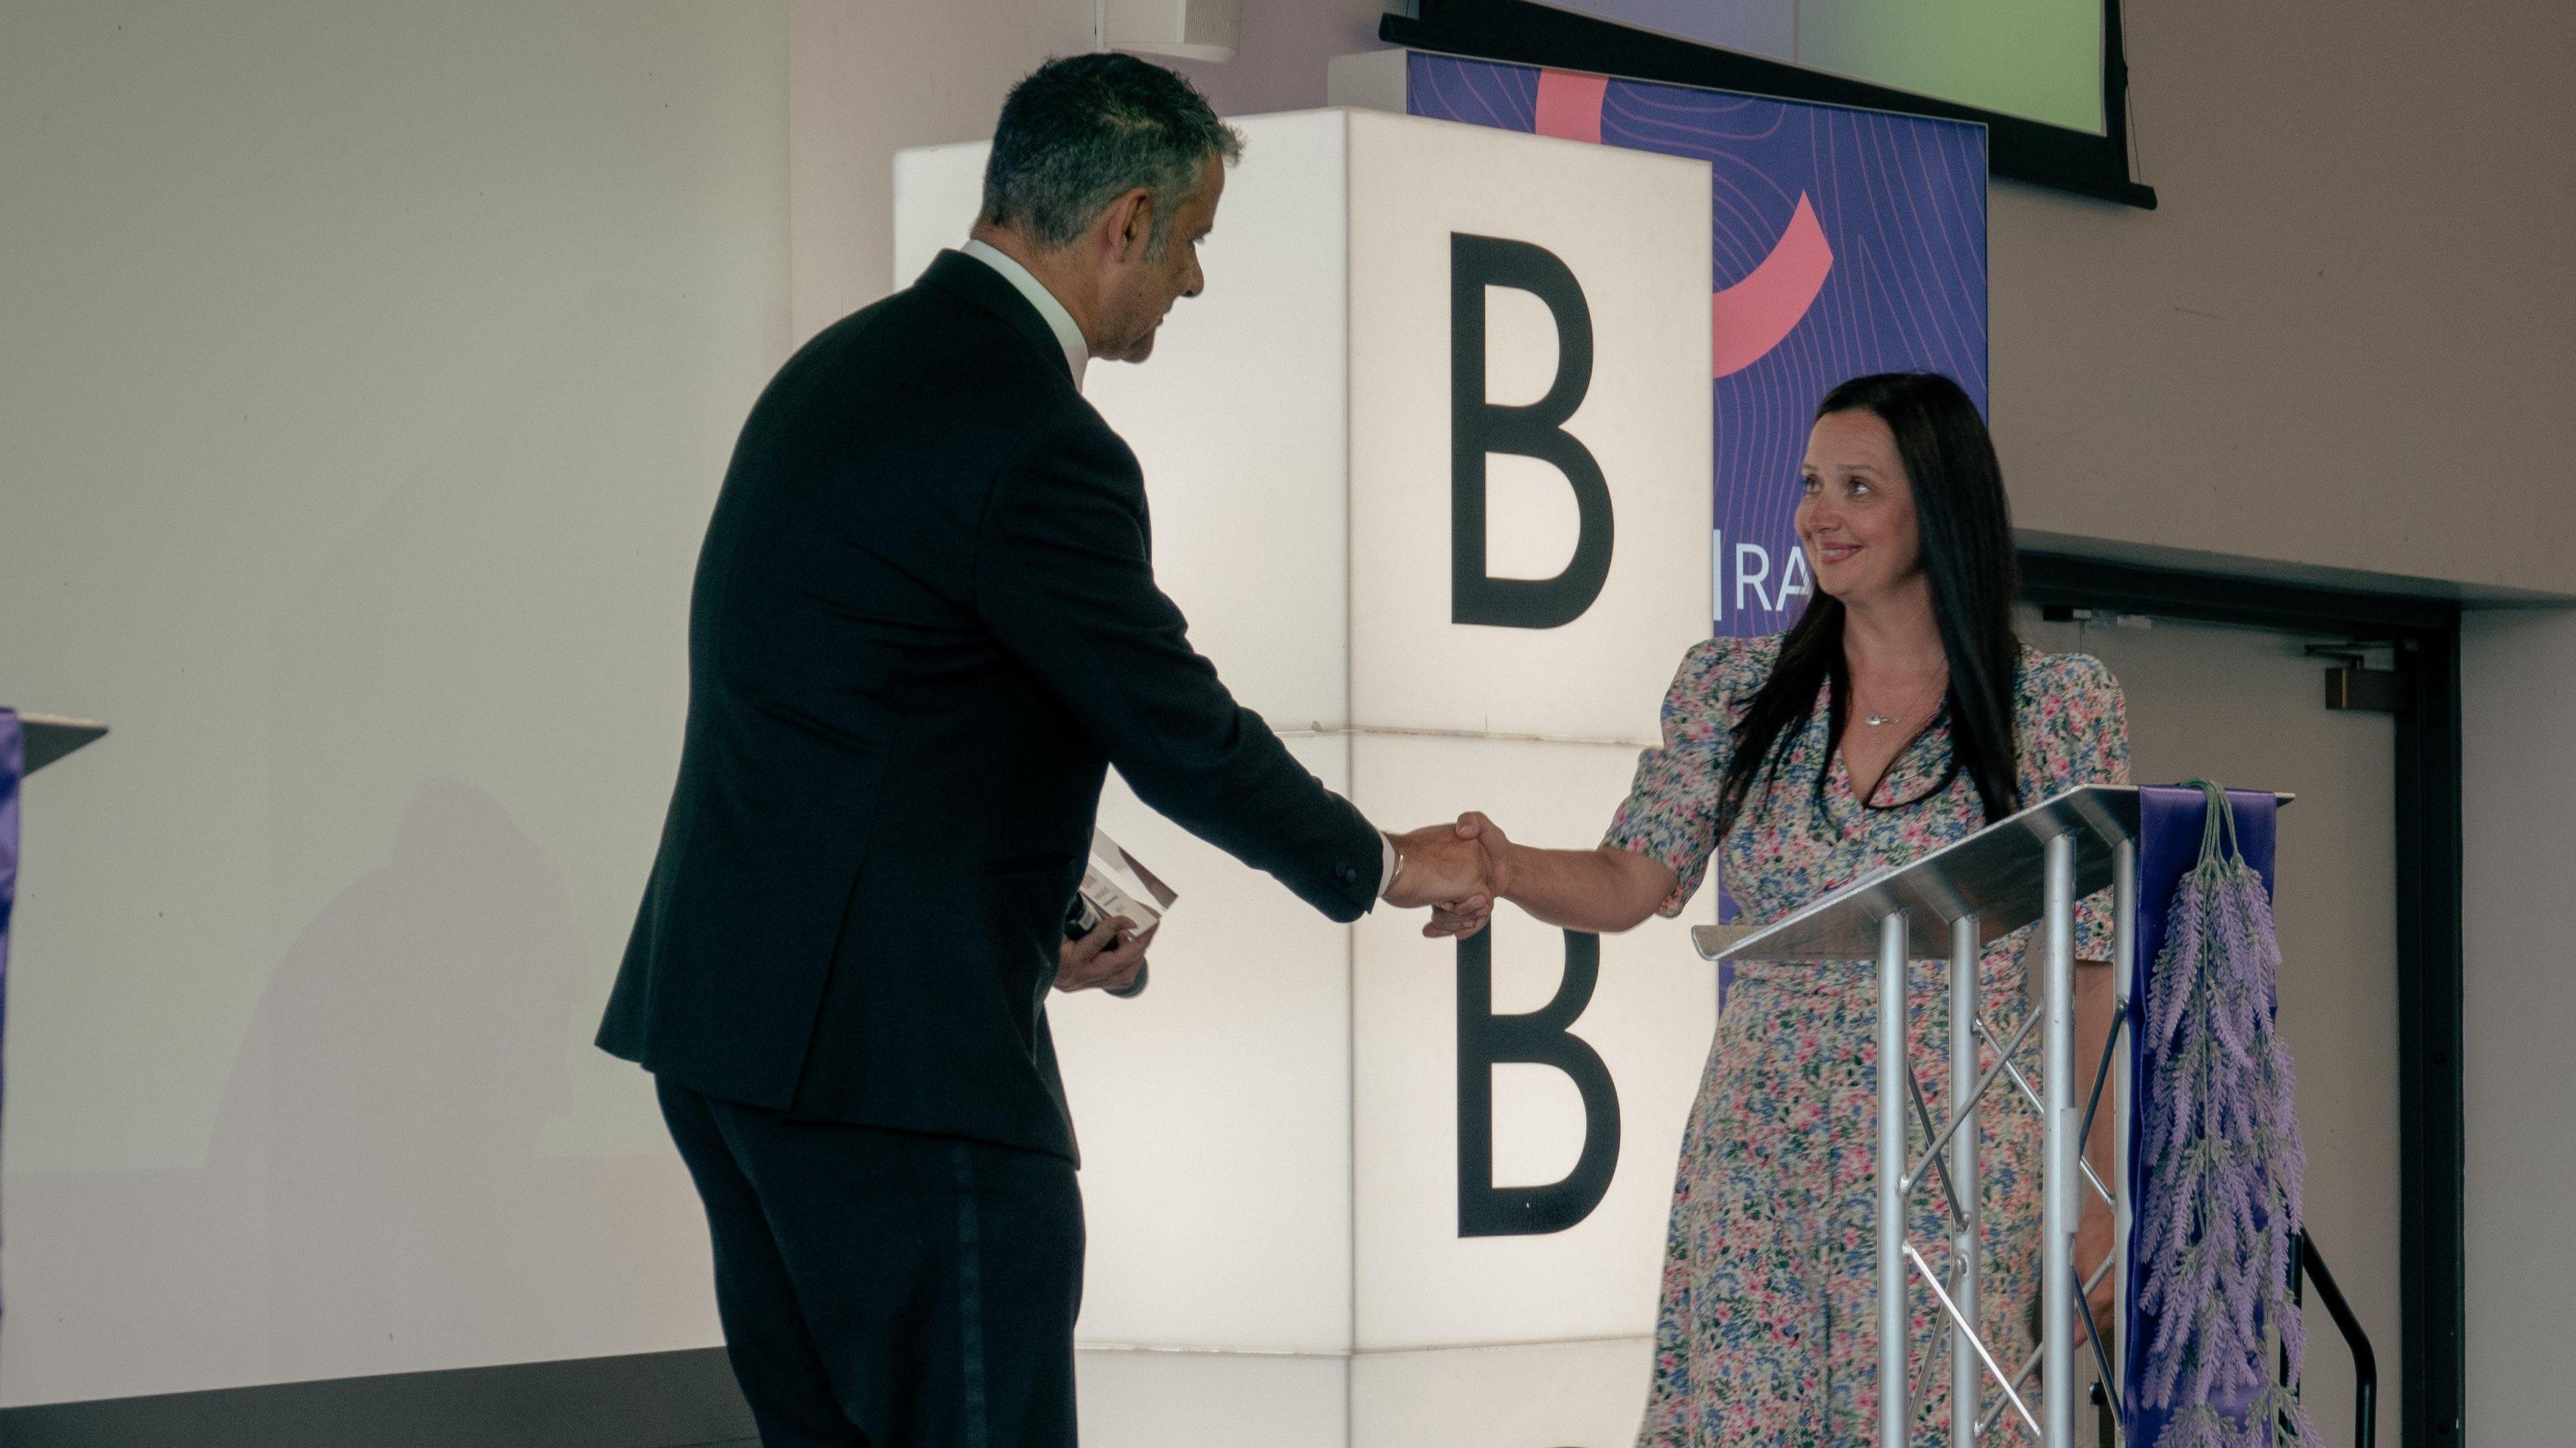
(867, 78)
(366, 374)
(2348, 335)
(870, 77)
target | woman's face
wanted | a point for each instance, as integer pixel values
(1856, 520)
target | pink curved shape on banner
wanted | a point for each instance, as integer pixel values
(1569, 105)
(1756, 314)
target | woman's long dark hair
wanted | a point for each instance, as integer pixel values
(1967, 549)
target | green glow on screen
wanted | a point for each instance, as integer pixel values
(2040, 59)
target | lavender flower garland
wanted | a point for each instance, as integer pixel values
(2218, 1229)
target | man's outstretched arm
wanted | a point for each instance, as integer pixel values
(1064, 578)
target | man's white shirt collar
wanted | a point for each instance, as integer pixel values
(1067, 335)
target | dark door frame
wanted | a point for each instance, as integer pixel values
(2425, 634)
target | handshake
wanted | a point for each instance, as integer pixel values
(1459, 870)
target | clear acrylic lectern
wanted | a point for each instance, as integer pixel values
(1948, 905)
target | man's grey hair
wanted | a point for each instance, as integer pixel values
(1079, 132)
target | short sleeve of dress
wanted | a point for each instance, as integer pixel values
(2077, 734)
(1670, 814)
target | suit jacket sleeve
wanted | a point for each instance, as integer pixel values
(1064, 577)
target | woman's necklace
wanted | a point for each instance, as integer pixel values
(1877, 720)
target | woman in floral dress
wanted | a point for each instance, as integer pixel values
(1900, 713)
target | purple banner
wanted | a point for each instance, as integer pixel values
(2170, 818)
(1843, 242)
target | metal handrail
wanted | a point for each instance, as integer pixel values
(2311, 1267)
(2365, 1363)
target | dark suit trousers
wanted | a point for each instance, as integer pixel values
(882, 1289)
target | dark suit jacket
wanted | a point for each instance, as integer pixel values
(924, 623)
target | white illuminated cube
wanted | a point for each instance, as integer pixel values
(1650, 1016)
(1535, 1395)
(1272, 1132)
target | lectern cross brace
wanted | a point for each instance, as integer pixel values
(1952, 1147)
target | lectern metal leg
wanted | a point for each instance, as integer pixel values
(1967, 1249)
(1894, 1068)
(2060, 1182)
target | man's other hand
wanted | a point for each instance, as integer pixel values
(1106, 959)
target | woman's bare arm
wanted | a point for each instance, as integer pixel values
(1599, 890)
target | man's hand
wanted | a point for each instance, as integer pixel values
(1106, 959)
(1459, 919)
(1436, 865)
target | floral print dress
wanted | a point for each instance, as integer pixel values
(1766, 1336)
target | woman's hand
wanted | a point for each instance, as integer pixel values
(1458, 919)
(1106, 959)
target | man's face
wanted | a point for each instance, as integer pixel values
(1141, 288)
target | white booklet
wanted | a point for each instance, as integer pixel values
(1116, 883)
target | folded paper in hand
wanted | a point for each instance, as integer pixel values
(1116, 883)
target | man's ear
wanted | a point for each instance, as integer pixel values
(1129, 226)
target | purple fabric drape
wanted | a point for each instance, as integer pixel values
(2170, 821)
(13, 757)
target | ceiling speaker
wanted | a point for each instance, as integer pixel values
(1191, 29)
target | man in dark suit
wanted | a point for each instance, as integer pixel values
(925, 622)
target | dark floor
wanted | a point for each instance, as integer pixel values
(655, 1400)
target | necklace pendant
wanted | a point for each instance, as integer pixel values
(1875, 720)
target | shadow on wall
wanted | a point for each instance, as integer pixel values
(373, 1201)
(387, 1101)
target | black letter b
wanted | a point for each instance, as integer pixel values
(1540, 1038)
(1478, 427)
